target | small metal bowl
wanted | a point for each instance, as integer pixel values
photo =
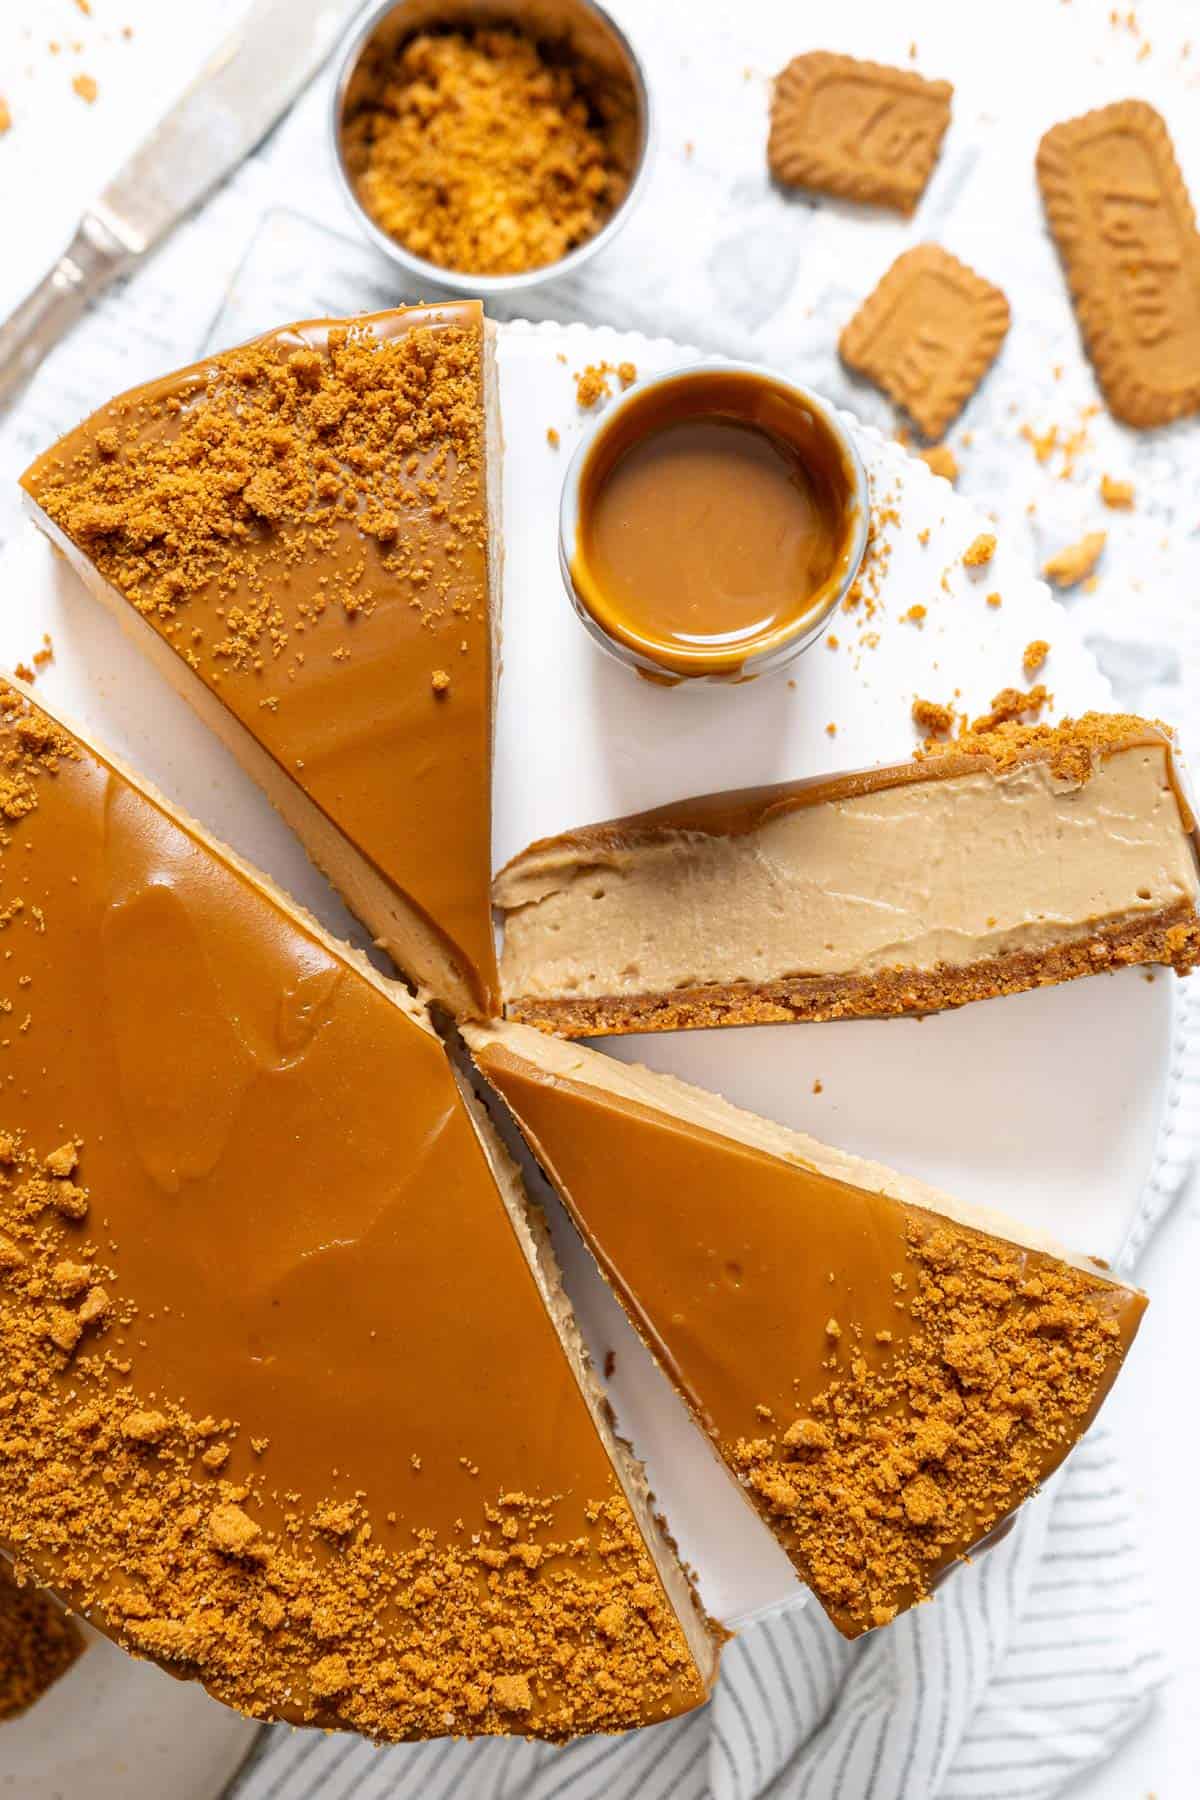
(590, 33)
(781, 646)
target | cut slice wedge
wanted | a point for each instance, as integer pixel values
(302, 534)
(290, 1398)
(887, 1373)
(1009, 859)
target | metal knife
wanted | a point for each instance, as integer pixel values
(244, 88)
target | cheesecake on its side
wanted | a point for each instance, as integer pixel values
(1005, 860)
(290, 1398)
(886, 1373)
(299, 533)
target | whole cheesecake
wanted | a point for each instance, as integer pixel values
(1003, 860)
(291, 1400)
(887, 1373)
(299, 532)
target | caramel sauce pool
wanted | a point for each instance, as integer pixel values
(712, 520)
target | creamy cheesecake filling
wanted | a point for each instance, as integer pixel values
(923, 875)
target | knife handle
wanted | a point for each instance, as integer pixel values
(91, 260)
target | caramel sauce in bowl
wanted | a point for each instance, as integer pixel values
(711, 523)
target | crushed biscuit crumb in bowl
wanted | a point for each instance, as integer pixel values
(428, 92)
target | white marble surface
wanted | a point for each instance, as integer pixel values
(716, 257)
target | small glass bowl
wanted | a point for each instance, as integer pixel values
(773, 650)
(589, 30)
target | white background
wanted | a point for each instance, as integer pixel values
(730, 269)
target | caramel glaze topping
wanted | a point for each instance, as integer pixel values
(1071, 749)
(887, 1385)
(303, 520)
(280, 1403)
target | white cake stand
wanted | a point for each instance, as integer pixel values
(1046, 1105)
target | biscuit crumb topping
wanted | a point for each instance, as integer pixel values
(126, 1502)
(894, 1470)
(257, 468)
(173, 1531)
(1071, 748)
(932, 718)
(1009, 706)
(124, 1499)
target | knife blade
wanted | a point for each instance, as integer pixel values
(243, 89)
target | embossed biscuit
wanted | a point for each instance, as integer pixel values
(1126, 233)
(927, 335)
(856, 129)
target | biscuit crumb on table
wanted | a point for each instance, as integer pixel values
(41, 658)
(980, 550)
(1071, 564)
(1034, 656)
(1119, 495)
(1067, 443)
(592, 383)
(941, 459)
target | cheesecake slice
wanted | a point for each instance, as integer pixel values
(290, 1398)
(887, 1373)
(1005, 860)
(299, 533)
